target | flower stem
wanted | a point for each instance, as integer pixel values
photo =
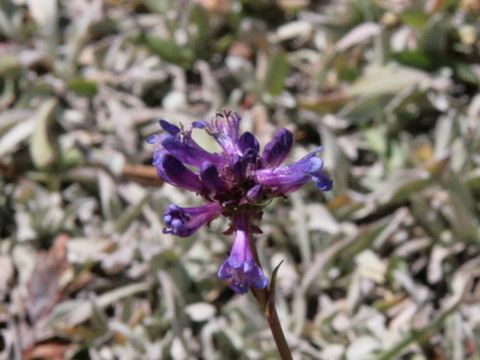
(265, 298)
(271, 315)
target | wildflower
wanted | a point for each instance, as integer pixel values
(235, 183)
(240, 268)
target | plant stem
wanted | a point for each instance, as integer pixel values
(271, 315)
(265, 298)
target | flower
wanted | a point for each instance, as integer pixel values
(235, 183)
(240, 269)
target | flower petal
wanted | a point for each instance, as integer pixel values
(257, 278)
(289, 178)
(224, 128)
(240, 284)
(171, 170)
(278, 149)
(239, 248)
(169, 127)
(248, 142)
(243, 278)
(210, 178)
(199, 124)
(238, 167)
(187, 153)
(225, 272)
(322, 181)
(185, 221)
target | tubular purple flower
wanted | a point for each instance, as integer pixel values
(291, 177)
(172, 171)
(185, 221)
(278, 149)
(240, 269)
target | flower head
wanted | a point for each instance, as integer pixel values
(236, 183)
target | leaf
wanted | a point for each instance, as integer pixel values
(73, 312)
(414, 58)
(273, 282)
(277, 70)
(10, 141)
(402, 185)
(324, 103)
(358, 35)
(473, 180)
(335, 159)
(6, 275)
(170, 51)
(199, 17)
(463, 220)
(83, 87)
(42, 150)
(414, 18)
(10, 118)
(9, 65)
(200, 311)
(130, 214)
(388, 80)
(109, 200)
(45, 14)
(371, 266)
(44, 286)
(142, 174)
(465, 73)
(435, 38)
(52, 350)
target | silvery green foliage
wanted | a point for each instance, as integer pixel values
(384, 266)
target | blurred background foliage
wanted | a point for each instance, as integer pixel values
(386, 266)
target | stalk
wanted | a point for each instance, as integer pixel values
(266, 300)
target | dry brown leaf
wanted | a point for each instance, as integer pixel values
(44, 287)
(51, 350)
(142, 174)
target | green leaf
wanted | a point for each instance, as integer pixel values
(277, 71)
(435, 38)
(401, 186)
(200, 19)
(414, 18)
(9, 65)
(465, 73)
(171, 52)
(83, 87)
(414, 58)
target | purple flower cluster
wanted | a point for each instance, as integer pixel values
(236, 183)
